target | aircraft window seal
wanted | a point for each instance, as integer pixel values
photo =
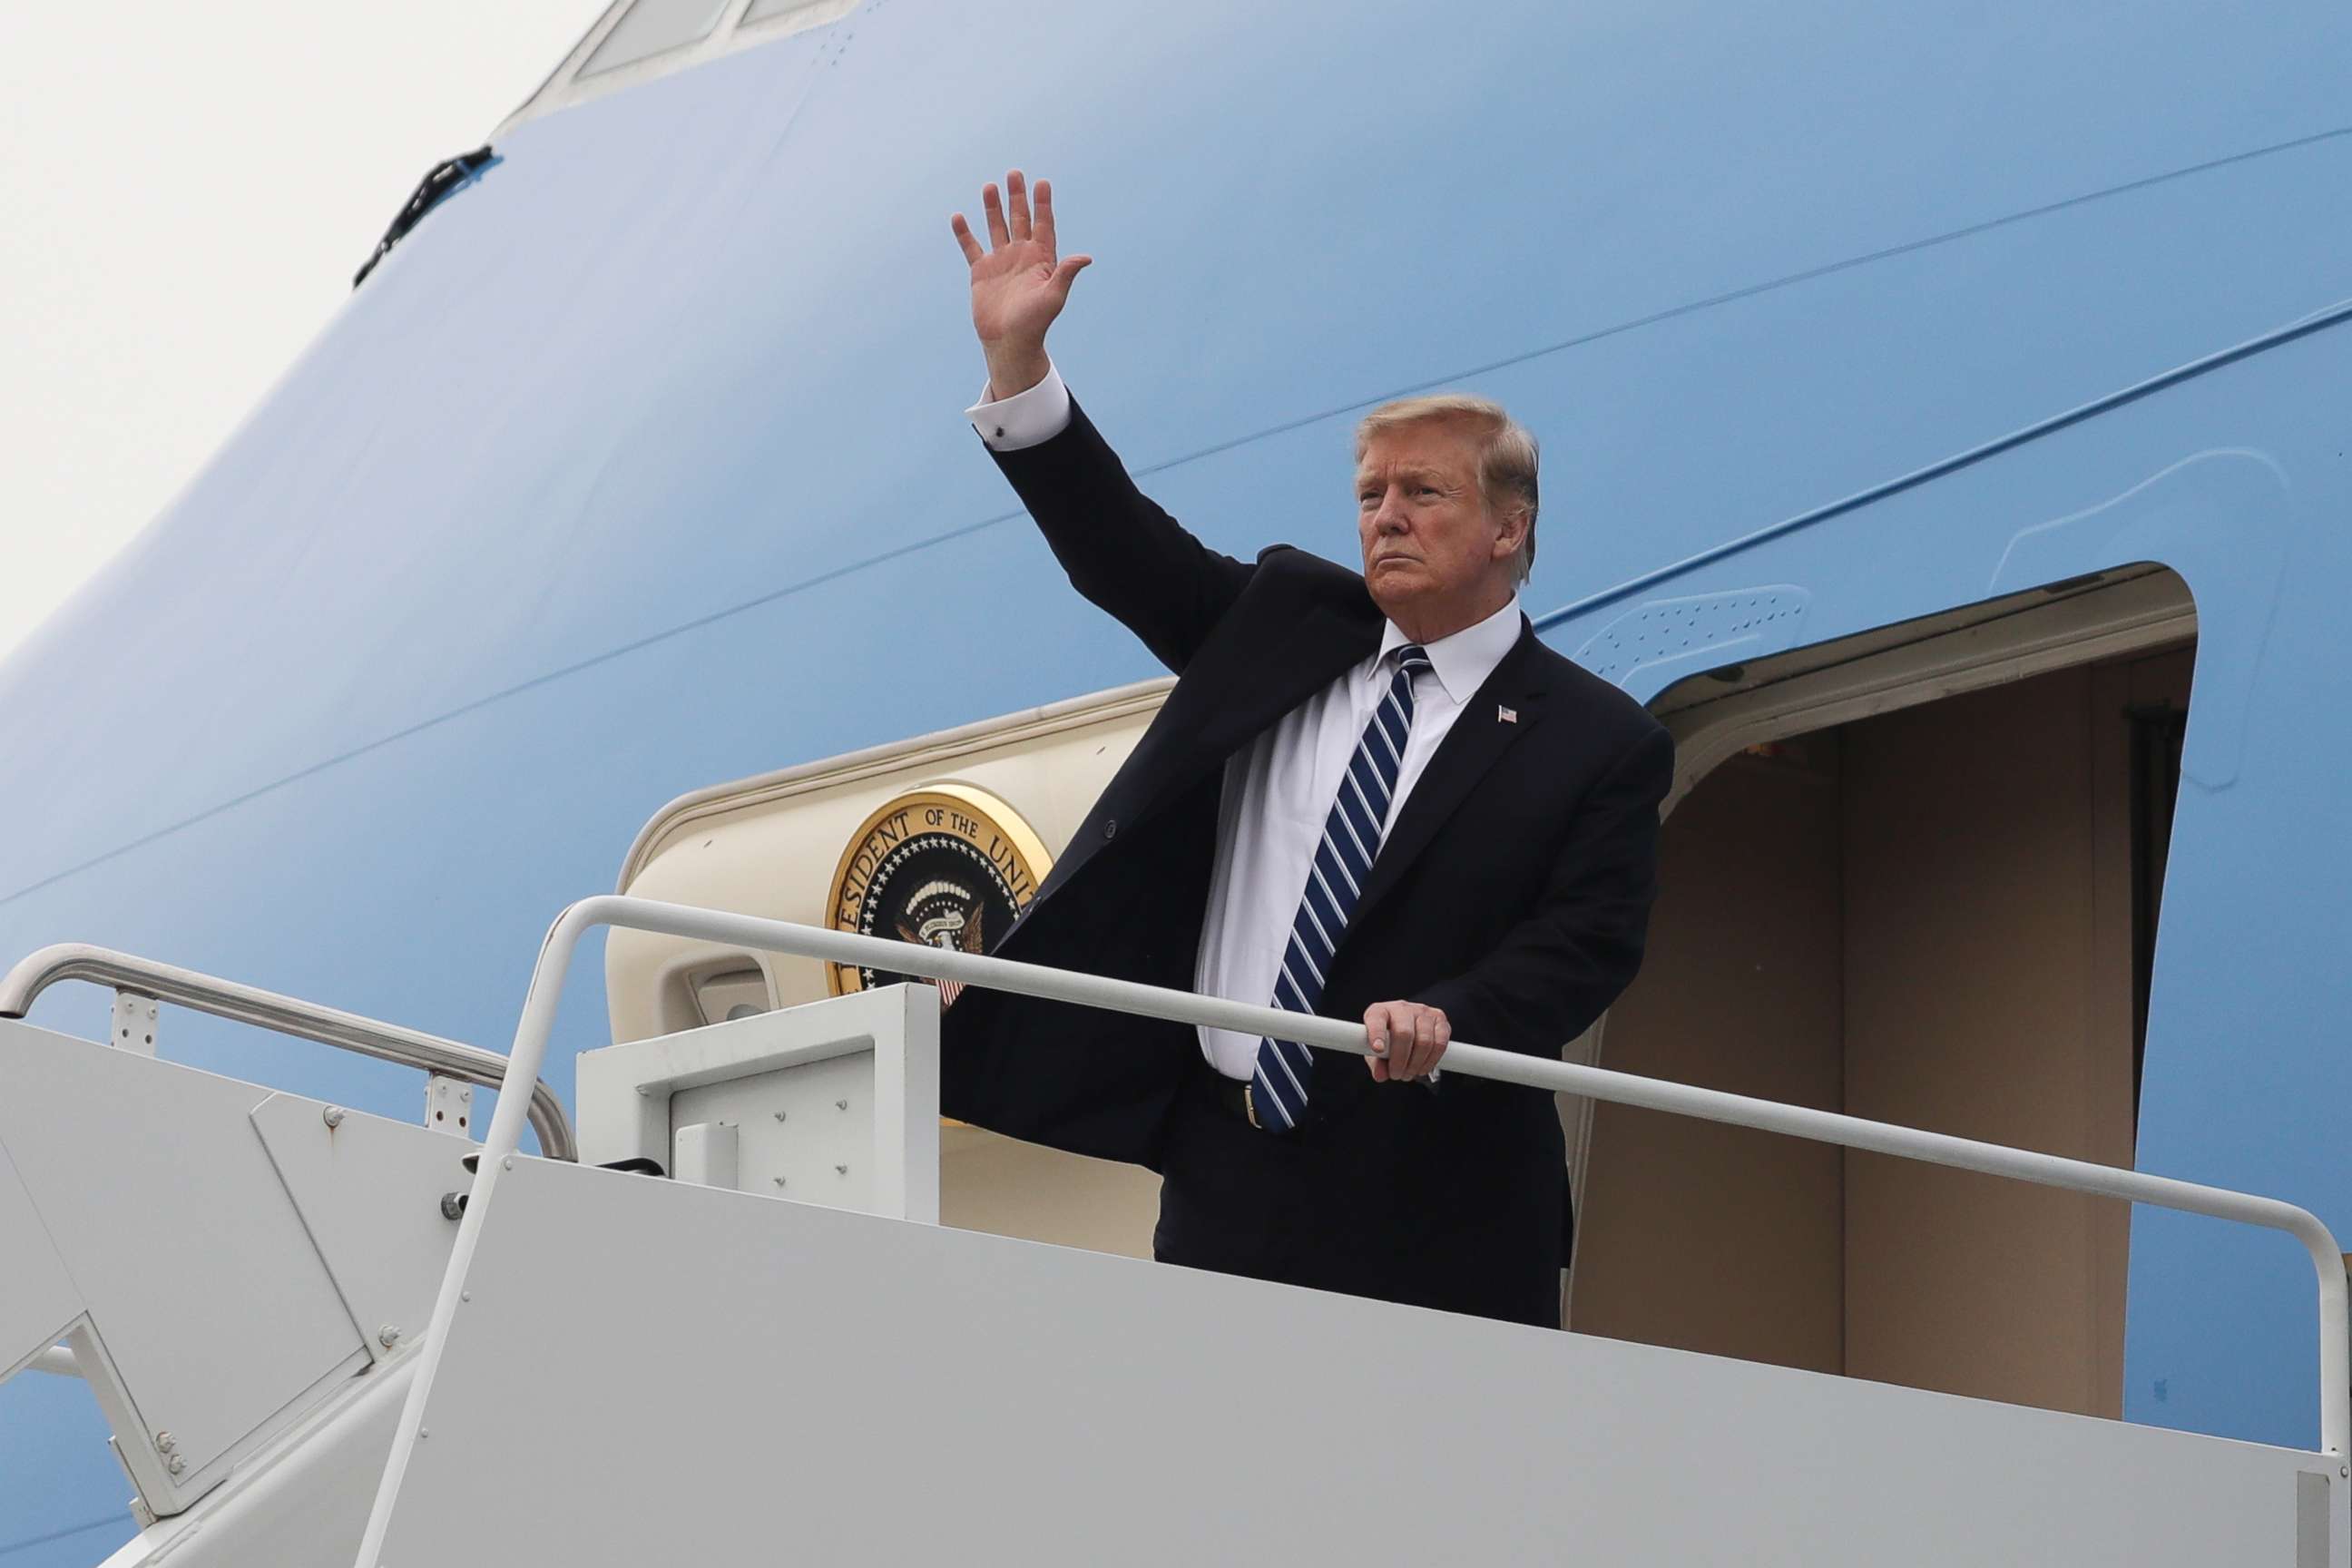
(767, 10)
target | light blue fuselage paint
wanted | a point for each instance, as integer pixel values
(637, 466)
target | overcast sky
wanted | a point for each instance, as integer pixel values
(184, 194)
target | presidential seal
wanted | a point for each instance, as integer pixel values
(948, 865)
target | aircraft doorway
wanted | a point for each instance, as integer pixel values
(1931, 910)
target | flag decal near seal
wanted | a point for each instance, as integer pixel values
(947, 864)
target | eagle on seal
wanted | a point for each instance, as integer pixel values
(948, 930)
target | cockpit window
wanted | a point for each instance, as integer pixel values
(652, 27)
(634, 40)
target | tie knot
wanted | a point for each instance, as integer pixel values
(1412, 657)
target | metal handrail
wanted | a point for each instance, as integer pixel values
(848, 949)
(287, 1016)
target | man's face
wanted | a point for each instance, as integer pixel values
(1435, 557)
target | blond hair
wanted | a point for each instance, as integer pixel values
(1507, 454)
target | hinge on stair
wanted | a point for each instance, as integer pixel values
(135, 1021)
(449, 1105)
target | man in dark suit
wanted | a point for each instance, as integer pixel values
(1373, 797)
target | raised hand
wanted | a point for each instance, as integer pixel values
(1019, 284)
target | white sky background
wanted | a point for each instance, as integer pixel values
(184, 194)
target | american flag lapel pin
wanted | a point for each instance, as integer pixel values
(1505, 715)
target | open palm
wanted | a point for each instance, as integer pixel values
(1020, 283)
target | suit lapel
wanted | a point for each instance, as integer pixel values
(1479, 736)
(1209, 718)
(1313, 652)
(1222, 710)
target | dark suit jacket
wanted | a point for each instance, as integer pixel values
(1512, 892)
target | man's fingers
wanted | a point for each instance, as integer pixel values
(972, 250)
(994, 205)
(1376, 1036)
(1406, 1041)
(1045, 229)
(1016, 202)
(1069, 269)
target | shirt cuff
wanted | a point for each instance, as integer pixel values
(1024, 419)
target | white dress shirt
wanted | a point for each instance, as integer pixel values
(1279, 788)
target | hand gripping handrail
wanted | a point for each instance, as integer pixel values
(1325, 1034)
(287, 1016)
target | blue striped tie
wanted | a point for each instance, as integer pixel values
(1335, 880)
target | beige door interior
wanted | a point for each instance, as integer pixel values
(1935, 915)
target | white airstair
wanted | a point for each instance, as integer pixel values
(324, 1338)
